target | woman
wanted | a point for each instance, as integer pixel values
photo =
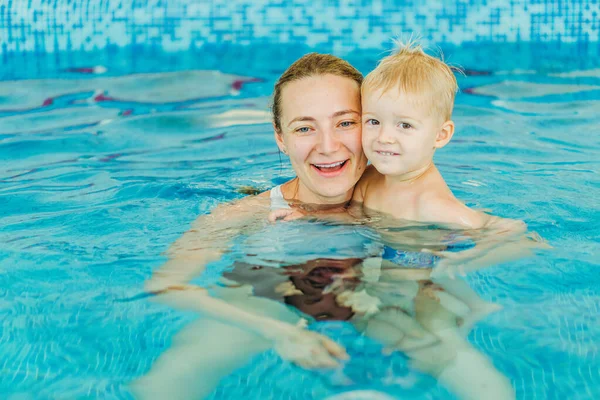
(317, 123)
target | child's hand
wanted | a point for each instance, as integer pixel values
(452, 263)
(359, 301)
(285, 214)
(308, 349)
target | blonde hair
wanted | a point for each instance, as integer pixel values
(312, 64)
(409, 70)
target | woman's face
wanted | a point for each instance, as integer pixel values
(321, 133)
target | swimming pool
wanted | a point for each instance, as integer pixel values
(108, 155)
(104, 171)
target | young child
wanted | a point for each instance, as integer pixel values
(407, 106)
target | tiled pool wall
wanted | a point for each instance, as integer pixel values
(38, 36)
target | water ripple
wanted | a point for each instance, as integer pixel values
(101, 175)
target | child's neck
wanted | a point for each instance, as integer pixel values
(409, 178)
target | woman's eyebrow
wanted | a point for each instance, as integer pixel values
(334, 115)
(300, 119)
(344, 112)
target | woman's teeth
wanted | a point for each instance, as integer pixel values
(337, 164)
(386, 153)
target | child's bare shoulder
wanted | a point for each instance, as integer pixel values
(369, 176)
(444, 208)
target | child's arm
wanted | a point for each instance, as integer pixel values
(497, 240)
(446, 210)
(493, 246)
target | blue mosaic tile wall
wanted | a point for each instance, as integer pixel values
(173, 25)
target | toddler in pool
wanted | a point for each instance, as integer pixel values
(407, 104)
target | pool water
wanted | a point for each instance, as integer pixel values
(103, 168)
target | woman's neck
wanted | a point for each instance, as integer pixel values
(294, 192)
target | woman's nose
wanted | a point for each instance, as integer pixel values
(328, 142)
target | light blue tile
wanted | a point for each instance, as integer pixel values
(174, 25)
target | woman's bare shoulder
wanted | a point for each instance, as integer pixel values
(241, 209)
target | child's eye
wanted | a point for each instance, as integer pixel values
(347, 124)
(371, 121)
(405, 125)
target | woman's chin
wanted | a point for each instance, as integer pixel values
(338, 193)
(335, 185)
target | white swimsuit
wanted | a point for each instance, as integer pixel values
(277, 200)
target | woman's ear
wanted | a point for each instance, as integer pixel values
(279, 139)
(444, 135)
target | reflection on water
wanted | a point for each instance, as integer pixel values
(396, 306)
(301, 286)
(160, 88)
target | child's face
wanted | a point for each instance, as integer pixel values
(399, 135)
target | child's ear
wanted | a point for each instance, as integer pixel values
(279, 139)
(444, 135)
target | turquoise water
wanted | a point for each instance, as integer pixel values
(101, 172)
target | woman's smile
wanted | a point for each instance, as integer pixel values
(330, 170)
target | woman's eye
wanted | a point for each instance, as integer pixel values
(405, 125)
(303, 129)
(347, 124)
(371, 121)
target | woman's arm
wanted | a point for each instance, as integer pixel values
(206, 242)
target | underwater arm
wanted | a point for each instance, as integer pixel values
(206, 242)
(458, 365)
(499, 240)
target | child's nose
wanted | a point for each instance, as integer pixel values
(385, 136)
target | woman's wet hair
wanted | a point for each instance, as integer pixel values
(249, 190)
(312, 64)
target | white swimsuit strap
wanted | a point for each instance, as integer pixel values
(277, 200)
